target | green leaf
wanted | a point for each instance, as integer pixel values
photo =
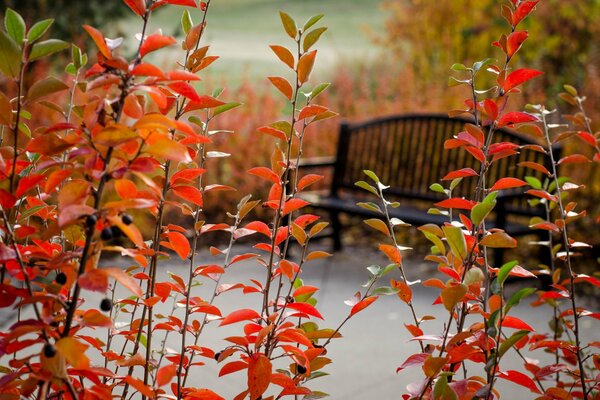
(534, 182)
(369, 206)
(371, 175)
(498, 240)
(436, 187)
(517, 297)
(482, 64)
(505, 271)
(436, 241)
(76, 57)
(45, 87)
(312, 37)
(454, 183)
(47, 47)
(458, 67)
(510, 341)
(15, 25)
(384, 290)
(456, 241)
(288, 24)
(319, 89)
(225, 107)
(571, 90)
(311, 21)
(480, 211)
(38, 29)
(442, 391)
(10, 55)
(366, 186)
(186, 21)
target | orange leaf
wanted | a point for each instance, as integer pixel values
(515, 323)
(404, 291)
(498, 240)
(305, 66)
(518, 77)
(188, 193)
(452, 295)
(507, 183)
(310, 111)
(232, 367)
(265, 173)
(460, 173)
(74, 352)
(293, 205)
(137, 6)
(308, 180)
(186, 90)
(124, 279)
(244, 314)
(283, 85)
(259, 375)
(361, 305)
(284, 55)
(392, 252)
(180, 244)
(165, 374)
(155, 42)
(456, 202)
(98, 38)
(139, 386)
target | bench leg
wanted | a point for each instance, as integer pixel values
(498, 258)
(336, 225)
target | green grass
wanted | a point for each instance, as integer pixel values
(239, 31)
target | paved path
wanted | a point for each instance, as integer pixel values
(375, 342)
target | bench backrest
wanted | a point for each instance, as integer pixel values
(407, 153)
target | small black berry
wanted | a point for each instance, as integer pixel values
(290, 299)
(49, 350)
(106, 304)
(90, 221)
(61, 278)
(127, 219)
(217, 355)
(116, 231)
(106, 234)
(301, 369)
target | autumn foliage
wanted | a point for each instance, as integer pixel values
(132, 142)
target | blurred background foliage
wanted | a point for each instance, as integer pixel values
(381, 56)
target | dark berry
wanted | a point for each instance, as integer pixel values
(217, 355)
(90, 221)
(106, 304)
(49, 350)
(300, 369)
(116, 231)
(127, 219)
(61, 278)
(106, 234)
(290, 299)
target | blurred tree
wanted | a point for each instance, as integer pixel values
(69, 14)
(429, 36)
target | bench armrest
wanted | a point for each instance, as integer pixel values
(316, 162)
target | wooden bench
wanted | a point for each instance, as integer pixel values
(407, 153)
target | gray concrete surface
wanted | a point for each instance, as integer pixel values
(375, 342)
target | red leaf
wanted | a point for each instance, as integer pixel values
(165, 374)
(522, 11)
(98, 38)
(305, 308)
(137, 6)
(139, 386)
(259, 375)
(515, 323)
(308, 180)
(507, 183)
(180, 244)
(244, 314)
(203, 102)
(361, 305)
(7, 199)
(265, 173)
(124, 279)
(259, 226)
(392, 252)
(28, 182)
(232, 367)
(273, 132)
(514, 42)
(186, 90)
(155, 42)
(515, 117)
(460, 173)
(415, 359)
(189, 193)
(456, 202)
(293, 205)
(574, 158)
(542, 194)
(535, 166)
(187, 174)
(283, 85)
(311, 111)
(518, 77)
(520, 379)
